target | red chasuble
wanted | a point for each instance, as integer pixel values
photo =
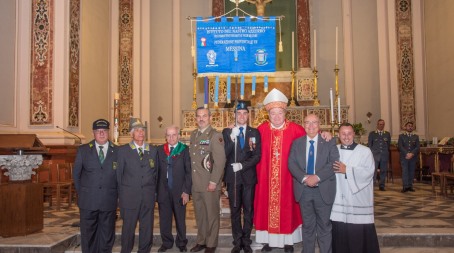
(275, 208)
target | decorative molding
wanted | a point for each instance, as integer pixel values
(74, 63)
(405, 62)
(126, 36)
(303, 26)
(42, 50)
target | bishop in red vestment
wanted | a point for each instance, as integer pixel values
(277, 216)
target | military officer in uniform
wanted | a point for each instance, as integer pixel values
(408, 145)
(137, 175)
(243, 151)
(379, 142)
(207, 164)
(95, 180)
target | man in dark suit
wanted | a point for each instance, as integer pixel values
(96, 185)
(174, 187)
(408, 145)
(379, 142)
(242, 150)
(208, 162)
(314, 183)
(137, 175)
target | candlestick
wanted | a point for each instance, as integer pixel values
(338, 110)
(205, 104)
(336, 44)
(331, 104)
(116, 132)
(316, 100)
(315, 49)
(293, 50)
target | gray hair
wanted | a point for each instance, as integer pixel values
(173, 127)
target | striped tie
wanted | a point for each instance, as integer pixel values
(101, 154)
(140, 153)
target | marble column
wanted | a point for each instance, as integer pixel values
(218, 8)
(303, 25)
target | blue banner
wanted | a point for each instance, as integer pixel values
(236, 46)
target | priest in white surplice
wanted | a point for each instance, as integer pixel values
(352, 215)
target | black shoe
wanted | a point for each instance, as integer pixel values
(183, 248)
(266, 248)
(236, 249)
(198, 247)
(411, 189)
(382, 188)
(247, 249)
(162, 249)
(404, 190)
(288, 248)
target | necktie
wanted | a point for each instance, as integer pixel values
(101, 154)
(140, 153)
(169, 169)
(241, 137)
(310, 160)
(381, 133)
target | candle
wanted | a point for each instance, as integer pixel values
(254, 79)
(336, 44)
(293, 50)
(216, 90)
(242, 87)
(265, 83)
(339, 110)
(315, 49)
(331, 104)
(117, 95)
(228, 89)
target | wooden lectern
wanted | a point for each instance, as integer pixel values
(21, 202)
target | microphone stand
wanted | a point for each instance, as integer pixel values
(78, 141)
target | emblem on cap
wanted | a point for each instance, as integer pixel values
(135, 123)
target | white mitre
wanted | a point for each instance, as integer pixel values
(275, 99)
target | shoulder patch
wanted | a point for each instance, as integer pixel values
(220, 140)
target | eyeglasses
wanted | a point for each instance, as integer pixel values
(101, 131)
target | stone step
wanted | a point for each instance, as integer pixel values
(387, 241)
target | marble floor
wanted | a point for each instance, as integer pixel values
(421, 221)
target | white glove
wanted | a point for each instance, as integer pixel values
(237, 167)
(235, 133)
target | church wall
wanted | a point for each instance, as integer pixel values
(171, 64)
(325, 16)
(439, 38)
(7, 65)
(161, 65)
(365, 62)
(94, 64)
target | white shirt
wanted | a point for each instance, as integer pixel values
(104, 149)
